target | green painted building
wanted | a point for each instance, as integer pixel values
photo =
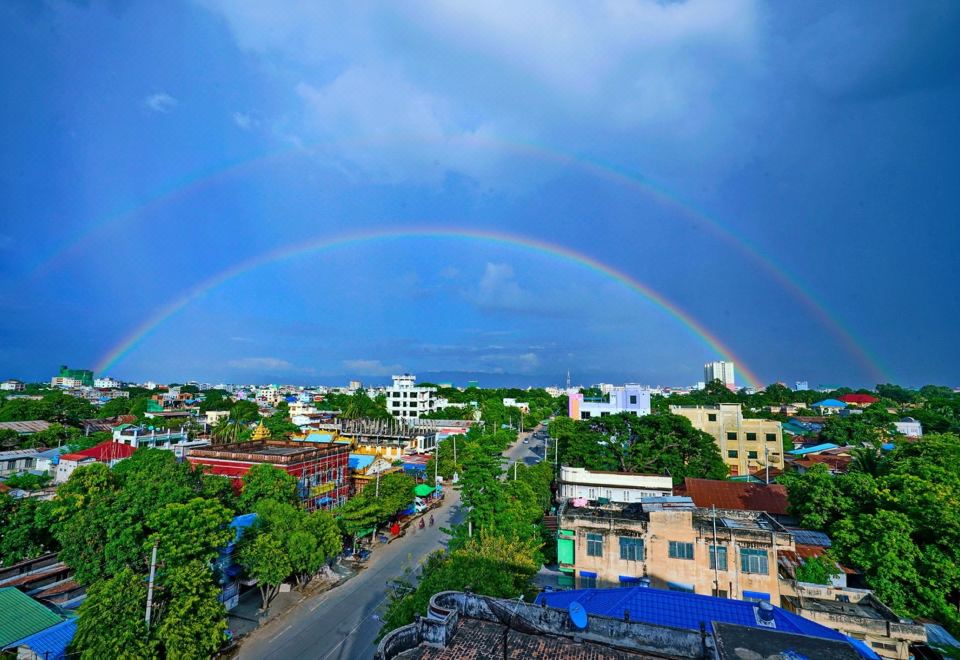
(85, 376)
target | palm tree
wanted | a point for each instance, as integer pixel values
(225, 430)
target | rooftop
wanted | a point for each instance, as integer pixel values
(736, 495)
(731, 640)
(23, 428)
(273, 451)
(22, 616)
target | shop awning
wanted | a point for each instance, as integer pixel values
(423, 490)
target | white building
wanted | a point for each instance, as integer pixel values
(213, 417)
(107, 383)
(12, 385)
(630, 398)
(909, 427)
(722, 371)
(407, 401)
(513, 403)
(622, 487)
(137, 436)
(64, 382)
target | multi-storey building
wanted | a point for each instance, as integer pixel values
(107, 383)
(12, 385)
(630, 398)
(323, 476)
(747, 445)
(722, 371)
(139, 436)
(666, 542)
(72, 378)
(406, 401)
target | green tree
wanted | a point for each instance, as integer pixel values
(192, 622)
(111, 622)
(266, 482)
(267, 562)
(817, 570)
(192, 531)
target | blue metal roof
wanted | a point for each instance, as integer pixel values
(810, 537)
(50, 643)
(682, 610)
(830, 403)
(938, 636)
(359, 461)
(319, 437)
(813, 450)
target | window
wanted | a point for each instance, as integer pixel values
(604, 414)
(588, 581)
(718, 557)
(771, 437)
(633, 399)
(753, 561)
(711, 417)
(732, 453)
(677, 586)
(731, 435)
(594, 545)
(751, 437)
(679, 550)
(719, 593)
(584, 415)
(631, 548)
(751, 454)
(883, 646)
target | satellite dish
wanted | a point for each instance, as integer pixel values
(578, 615)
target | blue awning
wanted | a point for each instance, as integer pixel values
(588, 574)
(324, 500)
(629, 578)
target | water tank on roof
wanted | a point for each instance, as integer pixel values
(765, 613)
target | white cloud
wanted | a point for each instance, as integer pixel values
(412, 90)
(370, 367)
(245, 120)
(262, 364)
(160, 102)
(498, 288)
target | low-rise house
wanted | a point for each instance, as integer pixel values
(212, 417)
(109, 453)
(909, 427)
(857, 613)
(858, 400)
(828, 406)
(25, 428)
(745, 444)
(22, 617)
(670, 543)
(621, 487)
(17, 460)
(12, 385)
(366, 468)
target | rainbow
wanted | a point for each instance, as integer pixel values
(618, 176)
(163, 314)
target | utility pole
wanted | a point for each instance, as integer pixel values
(153, 571)
(716, 566)
(515, 470)
(766, 461)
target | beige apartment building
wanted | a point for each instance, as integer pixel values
(857, 613)
(667, 543)
(747, 445)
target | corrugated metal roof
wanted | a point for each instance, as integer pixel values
(52, 643)
(359, 461)
(737, 495)
(33, 426)
(18, 453)
(680, 610)
(22, 616)
(812, 450)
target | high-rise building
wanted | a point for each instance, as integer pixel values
(722, 371)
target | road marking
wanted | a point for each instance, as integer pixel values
(275, 637)
(349, 634)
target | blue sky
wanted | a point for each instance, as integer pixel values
(164, 143)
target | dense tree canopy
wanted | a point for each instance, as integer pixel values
(652, 444)
(899, 522)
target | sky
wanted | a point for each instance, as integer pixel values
(303, 192)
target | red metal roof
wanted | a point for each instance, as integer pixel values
(858, 398)
(736, 495)
(104, 452)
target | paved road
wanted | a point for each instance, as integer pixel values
(530, 453)
(342, 623)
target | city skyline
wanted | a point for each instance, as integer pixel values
(248, 195)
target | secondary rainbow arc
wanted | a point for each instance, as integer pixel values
(167, 311)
